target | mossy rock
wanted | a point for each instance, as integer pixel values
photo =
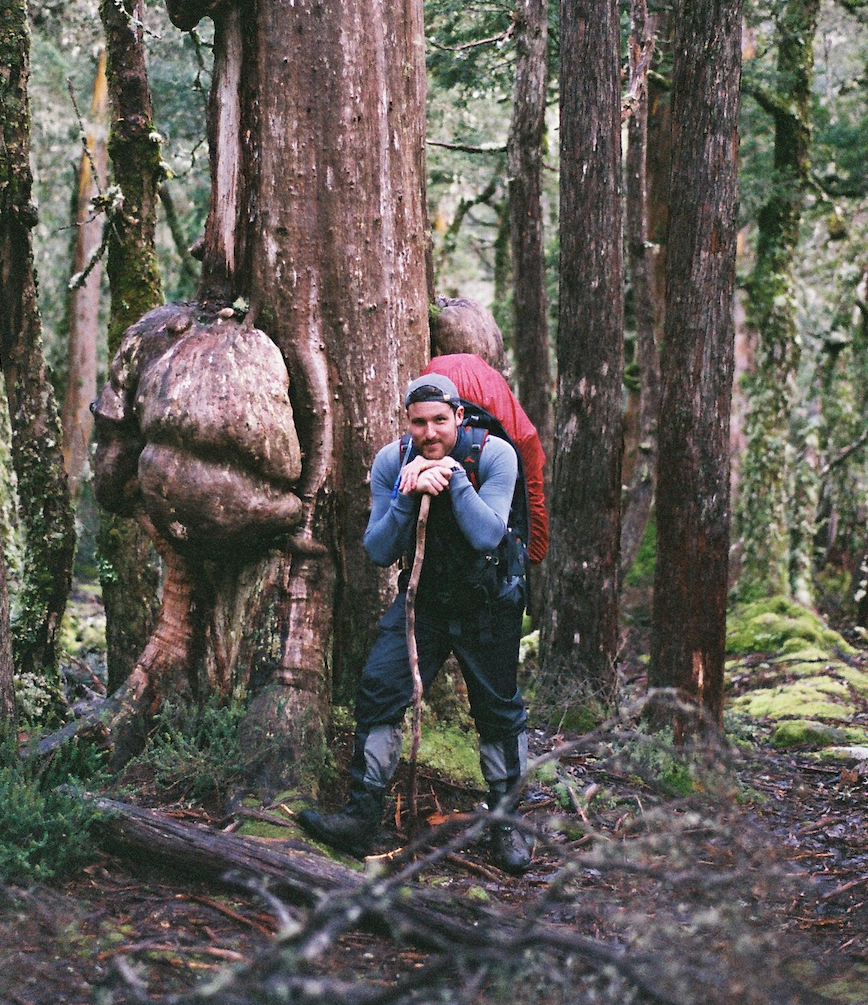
(857, 679)
(806, 732)
(794, 650)
(577, 719)
(781, 624)
(799, 700)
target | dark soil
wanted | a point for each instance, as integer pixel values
(778, 849)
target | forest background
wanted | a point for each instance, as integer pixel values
(797, 435)
(798, 432)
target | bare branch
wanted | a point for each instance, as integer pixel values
(467, 148)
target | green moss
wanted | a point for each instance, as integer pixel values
(857, 679)
(806, 732)
(264, 829)
(580, 719)
(849, 989)
(808, 669)
(547, 773)
(803, 653)
(449, 750)
(641, 572)
(778, 623)
(798, 700)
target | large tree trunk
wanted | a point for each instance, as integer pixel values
(316, 235)
(641, 256)
(129, 571)
(690, 586)
(525, 153)
(579, 635)
(43, 493)
(81, 353)
(767, 492)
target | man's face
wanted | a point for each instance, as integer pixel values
(434, 428)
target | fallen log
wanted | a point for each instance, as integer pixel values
(428, 919)
(407, 912)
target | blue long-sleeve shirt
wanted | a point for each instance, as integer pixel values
(481, 516)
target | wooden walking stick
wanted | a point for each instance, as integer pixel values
(413, 653)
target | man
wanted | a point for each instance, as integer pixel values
(464, 605)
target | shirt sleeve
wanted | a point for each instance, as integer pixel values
(389, 533)
(482, 516)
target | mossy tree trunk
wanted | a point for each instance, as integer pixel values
(527, 239)
(767, 487)
(317, 233)
(579, 633)
(129, 569)
(690, 588)
(45, 508)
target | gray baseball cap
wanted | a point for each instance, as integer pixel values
(432, 387)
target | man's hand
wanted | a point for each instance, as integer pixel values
(426, 476)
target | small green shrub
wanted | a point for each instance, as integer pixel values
(670, 769)
(45, 825)
(194, 752)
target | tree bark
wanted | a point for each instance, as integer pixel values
(316, 235)
(525, 157)
(640, 254)
(579, 636)
(690, 586)
(129, 570)
(7, 690)
(770, 563)
(37, 458)
(81, 353)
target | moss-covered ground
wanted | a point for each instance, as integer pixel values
(796, 678)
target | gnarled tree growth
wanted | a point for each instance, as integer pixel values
(314, 258)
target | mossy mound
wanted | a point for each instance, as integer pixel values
(779, 624)
(449, 750)
(806, 689)
(822, 698)
(806, 732)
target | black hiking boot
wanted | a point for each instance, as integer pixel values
(511, 849)
(354, 828)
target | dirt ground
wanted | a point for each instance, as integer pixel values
(789, 848)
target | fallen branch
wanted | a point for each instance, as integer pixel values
(340, 899)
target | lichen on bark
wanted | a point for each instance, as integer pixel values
(45, 510)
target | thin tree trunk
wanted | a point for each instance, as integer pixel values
(767, 486)
(690, 586)
(37, 458)
(128, 566)
(640, 493)
(525, 155)
(81, 353)
(579, 635)
(7, 690)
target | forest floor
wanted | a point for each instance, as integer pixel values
(750, 884)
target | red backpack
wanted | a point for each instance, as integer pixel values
(485, 391)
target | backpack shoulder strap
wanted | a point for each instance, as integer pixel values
(405, 448)
(470, 463)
